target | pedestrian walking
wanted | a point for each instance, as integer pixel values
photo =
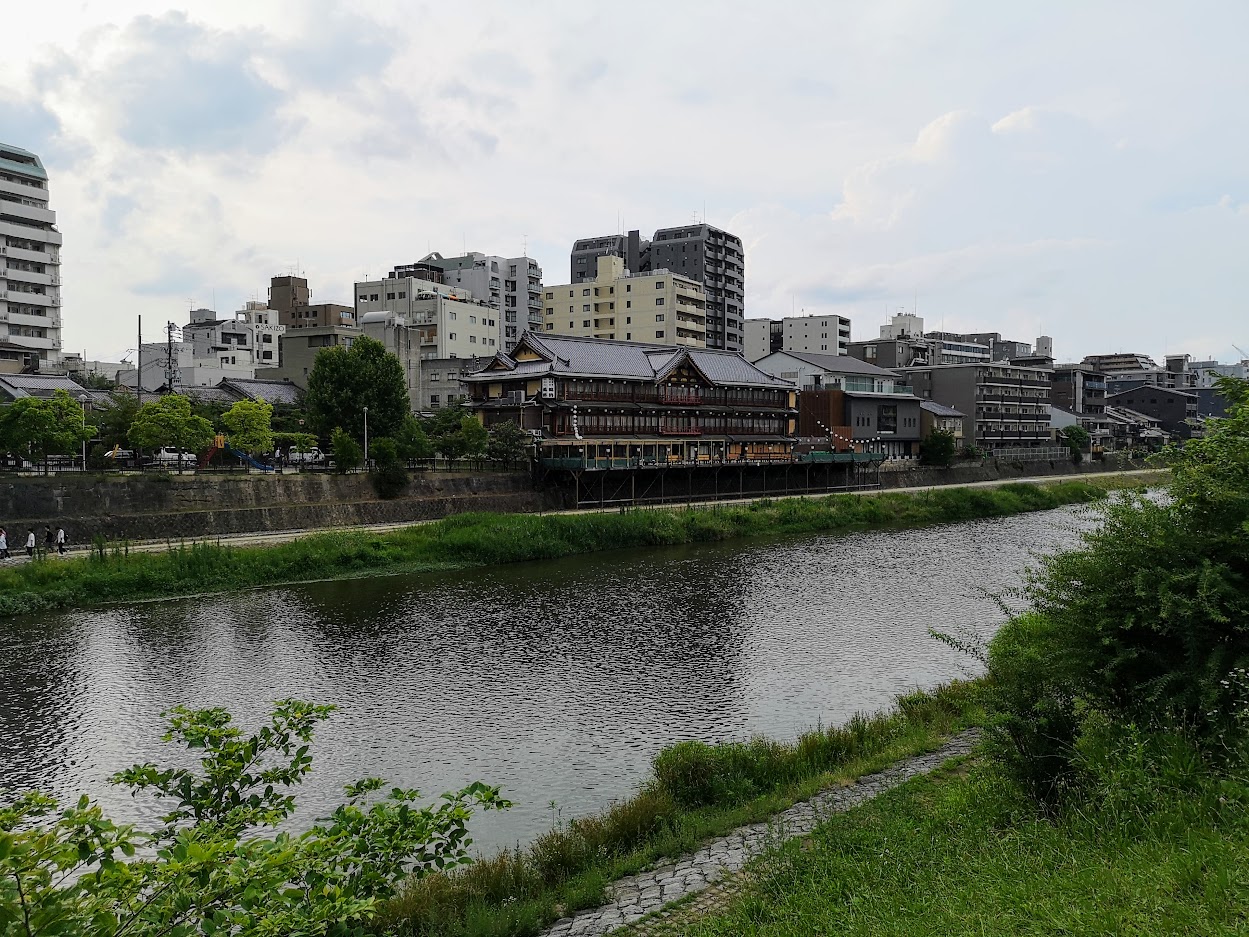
(60, 540)
(48, 540)
(4, 544)
(30, 542)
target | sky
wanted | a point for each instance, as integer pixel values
(1073, 169)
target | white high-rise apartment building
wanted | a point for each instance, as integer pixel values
(30, 266)
(512, 285)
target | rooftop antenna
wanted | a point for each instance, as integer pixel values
(524, 245)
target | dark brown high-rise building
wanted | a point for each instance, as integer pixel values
(291, 298)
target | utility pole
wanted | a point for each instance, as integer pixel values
(138, 367)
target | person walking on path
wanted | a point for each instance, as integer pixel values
(60, 540)
(4, 544)
(48, 540)
(30, 542)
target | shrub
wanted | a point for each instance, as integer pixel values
(347, 452)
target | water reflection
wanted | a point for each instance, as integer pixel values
(557, 680)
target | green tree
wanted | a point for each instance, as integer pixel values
(112, 420)
(1076, 438)
(476, 438)
(507, 443)
(938, 448)
(346, 380)
(412, 441)
(213, 866)
(35, 428)
(250, 425)
(168, 421)
(389, 470)
(347, 452)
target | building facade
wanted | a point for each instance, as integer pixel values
(638, 403)
(512, 286)
(30, 266)
(699, 252)
(659, 308)
(266, 332)
(450, 322)
(440, 381)
(291, 299)
(1125, 371)
(1170, 407)
(1081, 389)
(300, 348)
(1006, 407)
(762, 337)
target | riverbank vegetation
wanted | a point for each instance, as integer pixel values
(1112, 795)
(114, 573)
(696, 792)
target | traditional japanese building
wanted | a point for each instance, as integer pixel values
(628, 404)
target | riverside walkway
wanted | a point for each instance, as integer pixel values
(705, 873)
(269, 538)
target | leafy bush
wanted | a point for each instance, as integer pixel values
(938, 448)
(389, 473)
(208, 869)
(347, 452)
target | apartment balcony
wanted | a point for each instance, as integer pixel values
(24, 189)
(31, 232)
(32, 341)
(51, 321)
(21, 253)
(28, 276)
(33, 213)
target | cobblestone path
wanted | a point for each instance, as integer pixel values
(636, 896)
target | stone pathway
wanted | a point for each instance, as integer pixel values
(637, 896)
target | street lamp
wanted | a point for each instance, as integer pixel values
(366, 439)
(82, 399)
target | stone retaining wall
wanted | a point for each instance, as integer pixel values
(994, 470)
(157, 507)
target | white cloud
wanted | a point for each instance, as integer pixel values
(1015, 168)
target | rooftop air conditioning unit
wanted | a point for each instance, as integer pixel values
(515, 396)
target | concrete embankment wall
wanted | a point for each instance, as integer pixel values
(156, 507)
(995, 470)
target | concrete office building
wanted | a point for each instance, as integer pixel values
(510, 285)
(30, 266)
(1172, 408)
(266, 333)
(300, 348)
(452, 323)
(440, 381)
(658, 308)
(291, 299)
(829, 335)
(1081, 390)
(699, 252)
(1006, 406)
(1209, 371)
(1125, 371)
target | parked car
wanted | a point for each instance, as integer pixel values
(168, 456)
(119, 455)
(313, 456)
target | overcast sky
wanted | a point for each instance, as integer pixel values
(1074, 169)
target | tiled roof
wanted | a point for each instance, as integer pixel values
(208, 394)
(838, 364)
(283, 392)
(604, 358)
(939, 409)
(43, 385)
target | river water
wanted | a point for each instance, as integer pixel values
(557, 680)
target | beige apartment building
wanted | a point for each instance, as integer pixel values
(658, 308)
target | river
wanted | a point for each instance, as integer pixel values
(557, 680)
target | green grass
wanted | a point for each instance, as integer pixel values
(964, 852)
(517, 892)
(467, 540)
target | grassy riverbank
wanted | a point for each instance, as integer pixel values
(1161, 848)
(697, 792)
(468, 540)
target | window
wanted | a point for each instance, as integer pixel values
(659, 284)
(373, 297)
(550, 310)
(390, 295)
(628, 287)
(659, 333)
(492, 342)
(585, 307)
(585, 292)
(628, 304)
(403, 294)
(628, 320)
(472, 339)
(585, 324)
(550, 326)
(434, 400)
(550, 296)
(434, 377)
(472, 320)
(452, 315)
(628, 336)
(659, 317)
(451, 336)
(659, 301)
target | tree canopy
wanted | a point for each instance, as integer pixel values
(507, 442)
(346, 380)
(35, 428)
(168, 421)
(250, 424)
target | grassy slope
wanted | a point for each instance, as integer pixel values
(487, 539)
(516, 893)
(960, 852)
